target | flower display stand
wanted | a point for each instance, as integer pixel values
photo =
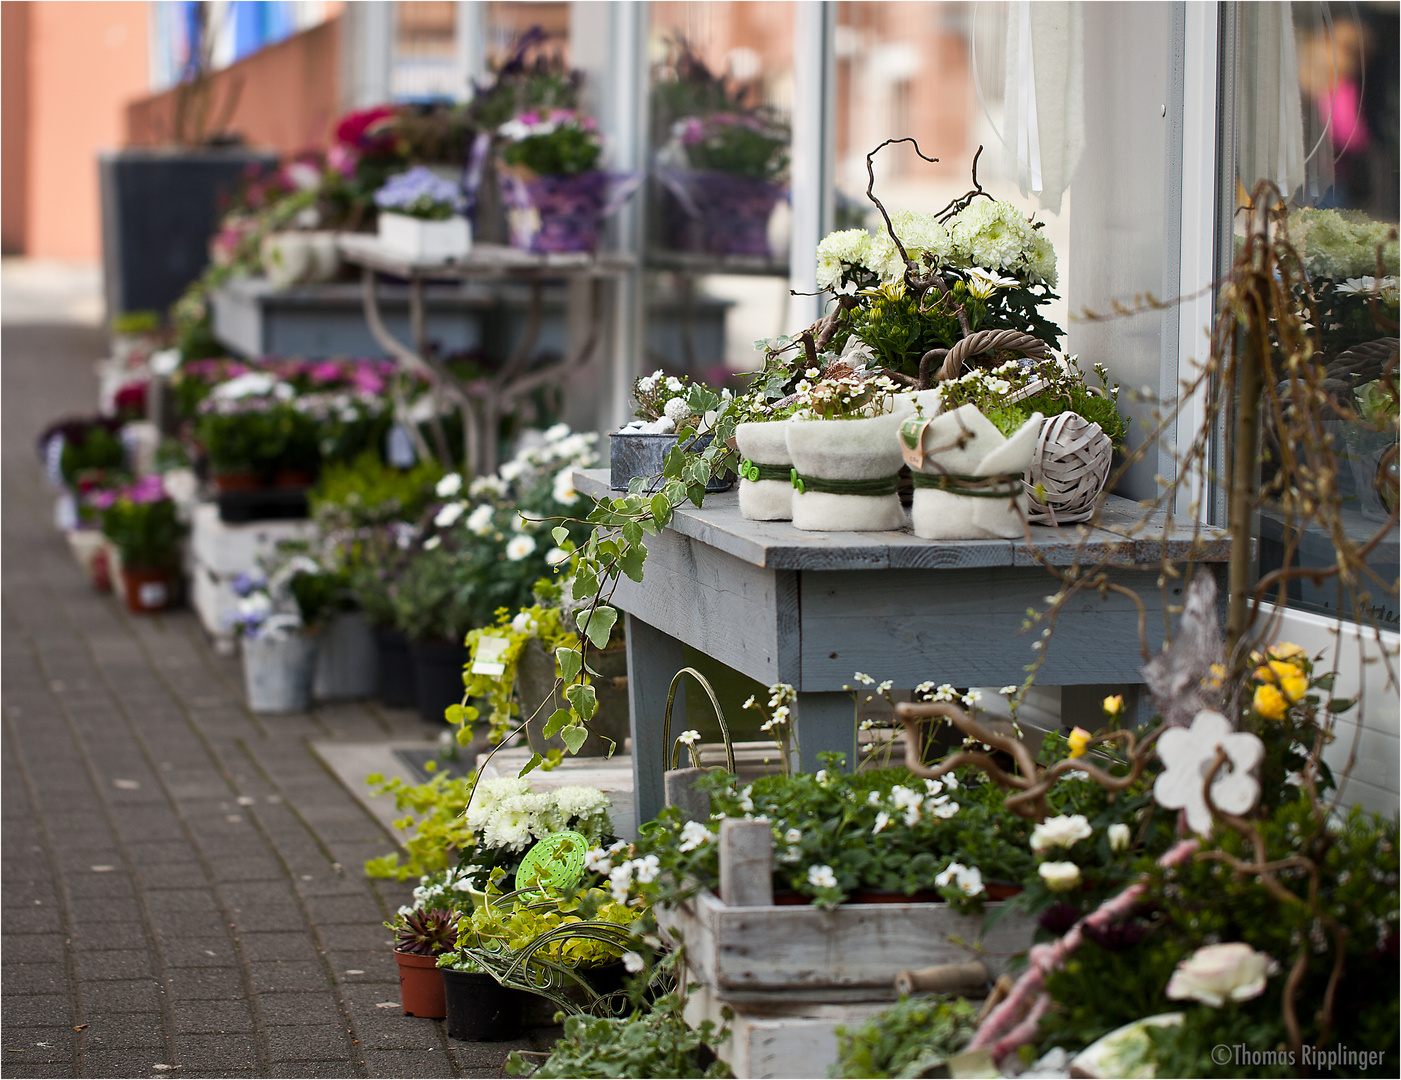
(220, 552)
(792, 973)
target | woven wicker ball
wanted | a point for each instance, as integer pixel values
(1071, 464)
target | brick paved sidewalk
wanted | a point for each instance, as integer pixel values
(182, 883)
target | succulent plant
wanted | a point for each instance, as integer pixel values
(426, 933)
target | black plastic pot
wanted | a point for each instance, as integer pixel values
(479, 1008)
(159, 209)
(396, 681)
(438, 673)
(263, 504)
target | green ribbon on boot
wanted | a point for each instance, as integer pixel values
(880, 485)
(754, 471)
(1000, 486)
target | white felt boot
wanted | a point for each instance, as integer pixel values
(965, 443)
(765, 444)
(867, 449)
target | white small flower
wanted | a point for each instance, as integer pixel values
(674, 385)
(933, 787)
(677, 410)
(821, 776)
(480, 519)
(519, 547)
(557, 432)
(633, 962)
(945, 810)
(864, 679)
(873, 798)
(563, 489)
(793, 836)
(1059, 876)
(693, 835)
(1008, 691)
(620, 881)
(523, 623)
(812, 373)
(882, 820)
(689, 737)
(1118, 836)
(822, 877)
(556, 557)
(950, 781)
(884, 687)
(511, 470)
(448, 515)
(1060, 832)
(1216, 974)
(646, 869)
(432, 542)
(449, 486)
(749, 703)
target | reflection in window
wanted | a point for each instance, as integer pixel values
(1315, 111)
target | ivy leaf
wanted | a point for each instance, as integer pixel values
(460, 714)
(531, 765)
(574, 737)
(631, 560)
(569, 661)
(556, 722)
(581, 698)
(661, 509)
(560, 533)
(632, 533)
(597, 624)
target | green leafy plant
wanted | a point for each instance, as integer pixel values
(647, 1044)
(258, 436)
(562, 142)
(436, 830)
(364, 491)
(143, 525)
(912, 1037)
(89, 446)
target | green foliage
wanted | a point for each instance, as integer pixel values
(566, 151)
(738, 146)
(95, 447)
(319, 596)
(147, 534)
(265, 438)
(911, 1037)
(437, 595)
(365, 491)
(434, 824)
(644, 1045)
(507, 930)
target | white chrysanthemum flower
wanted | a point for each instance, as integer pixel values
(519, 547)
(481, 519)
(677, 410)
(448, 515)
(449, 486)
(556, 557)
(562, 491)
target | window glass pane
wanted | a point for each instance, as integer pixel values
(425, 50)
(721, 90)
(1315, 111)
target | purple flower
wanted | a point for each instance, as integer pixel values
(244, 584)
(148, 489)
(418, 189)
(326, 372)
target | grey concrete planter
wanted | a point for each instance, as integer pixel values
(278, 673)
(640, 453)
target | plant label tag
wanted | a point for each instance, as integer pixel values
(912, 441)
(152, 594)
(487, 660)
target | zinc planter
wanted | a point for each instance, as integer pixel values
(421, 986)
(967, 475)
(847, 472)
(345, 665)
(278, 672)
(479, 1009)
(425, 241)
(765, 481)
(535, 681)
(643, 453)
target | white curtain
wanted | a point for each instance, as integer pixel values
(1268, 112)
(1043, 130)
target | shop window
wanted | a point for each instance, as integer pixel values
(1311, 105)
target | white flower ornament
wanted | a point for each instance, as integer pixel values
(1187, 754)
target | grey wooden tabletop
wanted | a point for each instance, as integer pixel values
(484, 260)
(1127, 536)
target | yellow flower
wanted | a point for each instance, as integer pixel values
(1269, 702)
(1113, 706)
(1282, 685)
(1218, 676)
(1287, 650)
(1078, 739)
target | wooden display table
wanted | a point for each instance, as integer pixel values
(811, 609)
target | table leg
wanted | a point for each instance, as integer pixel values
(653, 658)
(825, 722)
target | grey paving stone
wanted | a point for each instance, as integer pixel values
(32, 919)
(279, 975)
(278, 945)
(423, 1063)
(114, 935)
(212, 1017)
(334, 910)
(298, 1008)
(21, 977)
(124, 1031)
(361, 937)
(24, 1069)
(37, 1045)
(253, 918)
(147, 853)
(115, 909)
(197, 1052)
(122, 996)
(37, 1010)
(115, 964)
(125, 1063)
(29, 948)
(205, 983)
(248, 868)
(308, 1042)
(338, 1067)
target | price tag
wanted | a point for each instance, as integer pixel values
(487, 660)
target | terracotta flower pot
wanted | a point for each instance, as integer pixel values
(421, 986)
(148, 590)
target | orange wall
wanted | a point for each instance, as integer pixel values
(86, 61)
(14, 99)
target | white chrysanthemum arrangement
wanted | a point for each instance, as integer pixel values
(506, 813)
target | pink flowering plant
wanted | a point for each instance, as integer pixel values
(561, 142)
(741, 144)
(141, 522)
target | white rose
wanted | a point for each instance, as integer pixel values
(1059, 876)
(1059, 832)
(1216, 974)
(1119, 836)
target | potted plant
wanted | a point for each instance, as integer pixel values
(278, 619)
(420, 217)
(846, 458)
(555, 194)
(420, 937)
(671, 411)
(144, 529)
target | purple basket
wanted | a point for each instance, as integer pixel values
(562, 213)
(716, 212)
